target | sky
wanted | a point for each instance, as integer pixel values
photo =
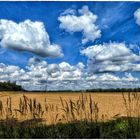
(70, 45)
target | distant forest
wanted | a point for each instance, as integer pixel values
(8, 86)
(115, 90)
(104, 90)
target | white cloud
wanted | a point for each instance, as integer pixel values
(137, 16)
(84, 23)
(66, 67)
(108, 77)
(28, 36)
(38, 72)
(10, 72)
(69, 11)
(39, 75)
(129, 77)
(39, 69)
(36, 62)
(111, 57)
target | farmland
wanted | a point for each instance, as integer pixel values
(109, 104)
(69, 115)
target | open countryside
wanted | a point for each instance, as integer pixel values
(69, 70)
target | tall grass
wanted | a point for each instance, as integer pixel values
(132, 107)
(84, 108)
(132, 104)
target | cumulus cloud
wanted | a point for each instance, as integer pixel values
(111, 57)
(137, 16)
(10, 72)
(28, 36)
(84, 23)
(41, 71)
(39, 75)
(108, 77)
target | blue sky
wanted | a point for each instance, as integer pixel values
(121, 24)
(115, 21)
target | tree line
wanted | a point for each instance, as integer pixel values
(8, 86)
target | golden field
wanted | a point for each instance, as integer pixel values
(50, 107)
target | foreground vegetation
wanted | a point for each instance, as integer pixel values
(120, 128)
(73, 119)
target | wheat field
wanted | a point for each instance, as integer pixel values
(62, 107)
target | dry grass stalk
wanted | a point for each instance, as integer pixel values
(8, 108)
(82, 109)
(132, 104)
(1, 109)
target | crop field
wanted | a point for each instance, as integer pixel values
(62, 107)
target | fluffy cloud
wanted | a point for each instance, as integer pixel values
(40, 71)
(137, 16)
(55, 76)
(108, 77)
(28, 36)
(10, 73)
(111, 57)
(84, 23)
(39, 75)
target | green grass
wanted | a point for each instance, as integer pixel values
(119, 128)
